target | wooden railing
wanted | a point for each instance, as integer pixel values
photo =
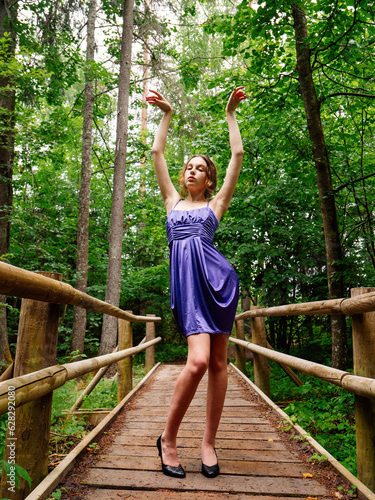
(36, 374)
(361, 306)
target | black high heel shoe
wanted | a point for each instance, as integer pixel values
(169, 470)
(211, 471)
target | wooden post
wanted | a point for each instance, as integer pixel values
(150, 351)
(125, 366)
(27, 441)
(363, 356)
(261, 369)
(239, 350)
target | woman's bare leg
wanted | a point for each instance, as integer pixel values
(197, 362)
(217, 387)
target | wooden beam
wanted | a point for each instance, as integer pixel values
(8, 373)
(306, 308)
(18, 282)
(28, 439)
(261, 368)
(150, 352)
(125, 366)
(91, 386)
(293, 377)
(363, 357)
(348, 306)
(37, 384)
(357, 385)
(240, 356)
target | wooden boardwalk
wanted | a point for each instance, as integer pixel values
(255, 459)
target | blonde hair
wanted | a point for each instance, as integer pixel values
(211, 177)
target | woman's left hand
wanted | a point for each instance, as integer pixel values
(235, 98)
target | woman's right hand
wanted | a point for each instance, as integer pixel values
(159, 101)
(235, 98)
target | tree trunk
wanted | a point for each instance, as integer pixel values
(145, 77)
(8, 15)
(109, 328)
(327, 201)
(79, 322)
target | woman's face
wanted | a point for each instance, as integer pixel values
(195, 176)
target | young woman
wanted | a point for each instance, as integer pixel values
(204, 287)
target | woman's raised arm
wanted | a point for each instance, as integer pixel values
(168, 191)
(222, 200)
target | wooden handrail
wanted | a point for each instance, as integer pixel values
(18, 282)
(361, 306)
(349, 306)
(362, 386)
(34, 385)
(35, 378)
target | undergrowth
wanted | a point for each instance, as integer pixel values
(66, 432)
(323, 410)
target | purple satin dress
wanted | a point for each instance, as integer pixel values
(204, 286)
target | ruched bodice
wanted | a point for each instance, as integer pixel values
(204, 287)
(197, 223)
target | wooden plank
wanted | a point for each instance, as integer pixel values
(258, 432)
(103, 494)
(201, 391)
(363, 492)
(238, 444)
(198, 418)
(249, 455)
(229, 414)
(114, 478)
(165, 400)
(237, 467)
(256, 425)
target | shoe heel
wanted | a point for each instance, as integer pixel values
(169, 470)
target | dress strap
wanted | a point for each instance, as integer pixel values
(177, 204)
(208, 203)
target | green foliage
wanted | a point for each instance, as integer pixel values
(67, 430)
(105, 395)
(15, 471)
(324, 411)
(272, 233)
(57, 494)
(3, 432)
(171, 353)
(317, 457)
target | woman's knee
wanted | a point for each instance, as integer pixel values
(198, 354)
(218, 364)
(198, 365)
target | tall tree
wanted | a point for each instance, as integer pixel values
(79, 322)
(8, 17)
(113, 285)
(333, 66)
(145, 89)
(326, 194)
